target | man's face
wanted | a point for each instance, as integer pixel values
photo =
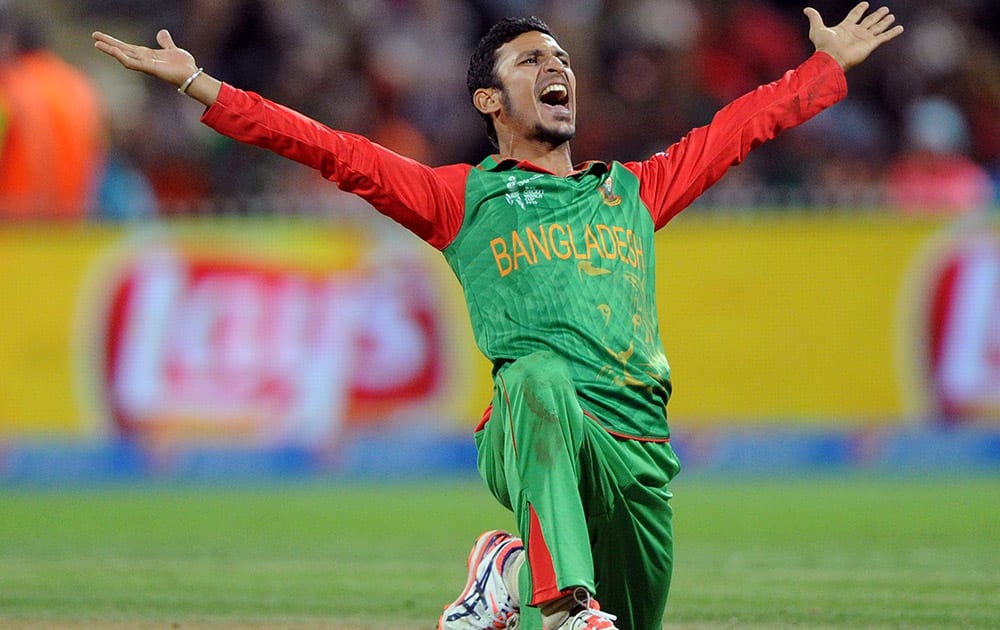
(539, 89)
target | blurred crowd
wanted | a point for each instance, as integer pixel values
(919, 133)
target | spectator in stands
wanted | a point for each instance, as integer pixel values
(52, 128)
(934, 173)
(342, 62)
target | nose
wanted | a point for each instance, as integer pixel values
(554, 64)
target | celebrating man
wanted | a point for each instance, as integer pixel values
(556, 260)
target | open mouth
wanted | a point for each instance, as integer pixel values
(556, 96)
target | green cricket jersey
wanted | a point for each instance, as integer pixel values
(566, 264)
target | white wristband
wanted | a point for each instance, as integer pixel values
(187, 83)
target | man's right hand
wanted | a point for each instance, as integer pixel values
(168, 63)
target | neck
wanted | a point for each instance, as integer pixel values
(555, 159)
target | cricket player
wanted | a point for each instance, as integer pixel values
(557, 264)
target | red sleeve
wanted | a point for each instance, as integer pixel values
(671, 180)
(427, 201)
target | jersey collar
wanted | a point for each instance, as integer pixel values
(496, 163)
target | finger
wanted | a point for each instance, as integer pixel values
(855, 15)
(164, 39)
(104, 47)
(883, 24)
(108, 40)
(891, 34)
(875, 17)
(117, 53)
(815, 20)
(106, 43)
(129, 55)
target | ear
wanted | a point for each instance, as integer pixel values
(486, 100)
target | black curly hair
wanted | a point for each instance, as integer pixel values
(482, 65)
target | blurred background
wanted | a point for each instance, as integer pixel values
(176, 304)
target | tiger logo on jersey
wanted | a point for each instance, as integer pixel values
(607, 190)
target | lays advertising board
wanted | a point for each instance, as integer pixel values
(277, 332)
(210, 344)
(259, 334)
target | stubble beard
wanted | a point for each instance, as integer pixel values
(541, 133)
(552, 137)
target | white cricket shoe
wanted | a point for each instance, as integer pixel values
(486, 603)
(585, 615)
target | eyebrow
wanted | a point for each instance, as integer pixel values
(535, 52)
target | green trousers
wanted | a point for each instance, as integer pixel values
(593, 509)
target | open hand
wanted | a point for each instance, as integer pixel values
(851, 41)
(169, 63)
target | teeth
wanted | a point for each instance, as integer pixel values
(555, 87)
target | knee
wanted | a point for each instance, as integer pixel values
(541, 390)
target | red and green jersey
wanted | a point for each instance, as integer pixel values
(563, 264)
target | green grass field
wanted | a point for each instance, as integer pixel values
(849, 553)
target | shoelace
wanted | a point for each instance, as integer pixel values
(599, 620)
(479, 594)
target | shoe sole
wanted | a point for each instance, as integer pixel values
(485, 543)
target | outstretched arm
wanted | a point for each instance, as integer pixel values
(169, 63)
(851, 41)
(427, 201)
